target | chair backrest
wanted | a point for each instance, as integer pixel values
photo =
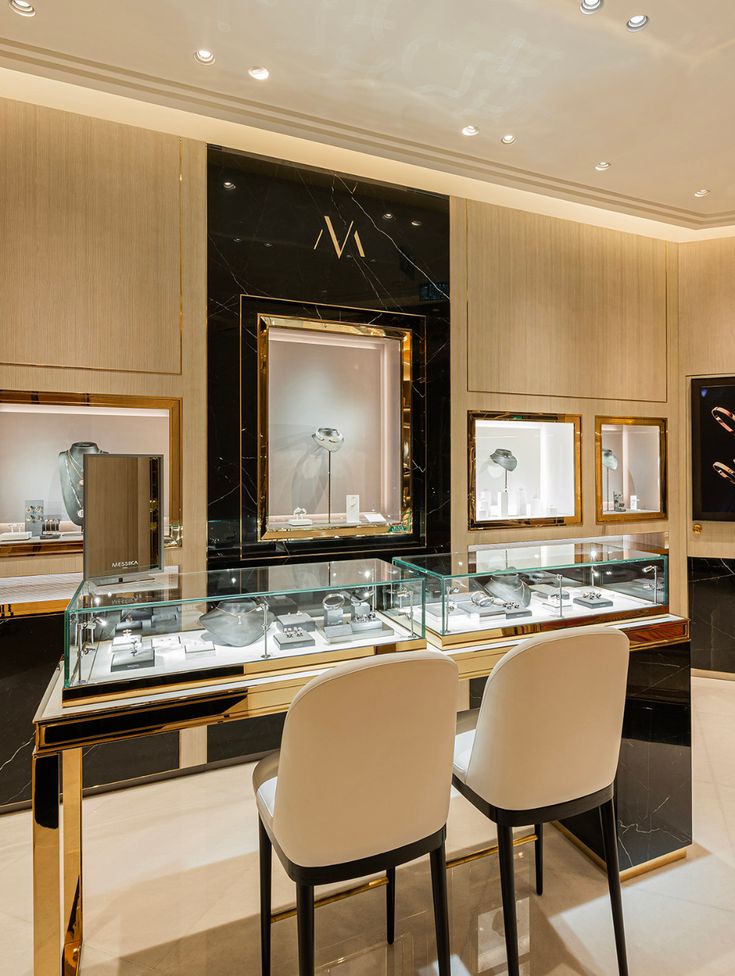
(551, 719)
(366, 758)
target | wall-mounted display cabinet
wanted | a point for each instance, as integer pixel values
(46, 436)
(178, 629)
(524, 469)
(630, 461)
(488, 592)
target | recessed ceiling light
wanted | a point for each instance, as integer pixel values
(204, 56)
(701, 193)
(507, 139)
(590, 6)
(259, 73)
(229, 185)
(387, 215)
(470, 130)
(637, 22)
(415, 223)
(267, 244)
(602, 166)
(23, 8)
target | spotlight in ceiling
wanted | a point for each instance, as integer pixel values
(204, 56)
(590, 6)
(229, 185)
(701, 193)
(508, 139)
(259, 73)
(637, 22)
(415, 223)
(602, 166)
(23, 8)
(470, 130)
(387, 215)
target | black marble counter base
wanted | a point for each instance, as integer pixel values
(712, 612)
(654, 780)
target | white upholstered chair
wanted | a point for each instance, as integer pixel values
(361, 785)
(545, 746)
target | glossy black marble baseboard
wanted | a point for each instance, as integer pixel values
(654, 780)
(712, 612)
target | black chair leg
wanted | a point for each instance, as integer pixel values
(508, 889)
(266, 862)
(441, 908)
(305, 927)
(539, 851)
(390, 905)
(610, 844)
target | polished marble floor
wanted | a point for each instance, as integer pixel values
(171, 887)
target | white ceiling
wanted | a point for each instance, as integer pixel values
(399, 78)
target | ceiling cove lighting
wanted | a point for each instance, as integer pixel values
(637, 22)
(701, 193)
(470, 130)
(508, 139)
(204, 56)
(259, 73)
(23, 8)
(602, 166)
(590, 6)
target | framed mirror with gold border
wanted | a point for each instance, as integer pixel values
(42, 430)
(630, 469)
(523, 469)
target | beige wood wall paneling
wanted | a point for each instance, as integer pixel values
(706, 348)
(586, 305)
(469, 293)
(152, 338)
(90, 236)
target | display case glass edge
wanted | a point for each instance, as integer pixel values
(476, 524)
(172, 405)
(404, 526)
(601, 516)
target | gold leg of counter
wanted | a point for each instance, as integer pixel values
(46, 866)
(72, 809)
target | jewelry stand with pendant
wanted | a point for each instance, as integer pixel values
(71, 475)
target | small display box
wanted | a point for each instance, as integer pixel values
(490, 592)
(174, 629)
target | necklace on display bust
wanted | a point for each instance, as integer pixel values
(71, 475)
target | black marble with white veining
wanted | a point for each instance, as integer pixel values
(263, 235)
(654, 779)
(712, 612)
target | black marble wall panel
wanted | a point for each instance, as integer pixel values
(252, 737)
(654, 780)
(269, 237)
(712, 612)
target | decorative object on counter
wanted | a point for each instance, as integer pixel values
(508, 462)
(333, 605)
(71, 475)
(288, 621)
(514, 610)
(331, 440)
(15, 534)
(292, 637)
(237, 623)
(618, 503)
(131, 653)
(198, 647)
(337, 632)
(34, 516)
(51, 524)
(653, 569)
(360, 601)
(592, 599)
(299, 517)
(352, 509)
(609, 463)
(509, 588)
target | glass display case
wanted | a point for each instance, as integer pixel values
(630, 456)
(175, 628)
(524, 469)
(491, 592)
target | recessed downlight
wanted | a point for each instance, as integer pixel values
(387, 215)
(23, 8)
(637, 22)
(701, 193)
(416, 223)
(229, 185)
(602, 166)
(204, 56)
(470, 130)
(259, 73)
(508, 139)
(590, 6)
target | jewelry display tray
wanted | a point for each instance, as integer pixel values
(244, 610)
(538, 587)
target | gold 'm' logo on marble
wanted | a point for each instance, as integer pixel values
(340, 248)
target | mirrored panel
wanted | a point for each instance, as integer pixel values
(630, 454)
(523, 469)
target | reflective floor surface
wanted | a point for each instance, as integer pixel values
(171, 888)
